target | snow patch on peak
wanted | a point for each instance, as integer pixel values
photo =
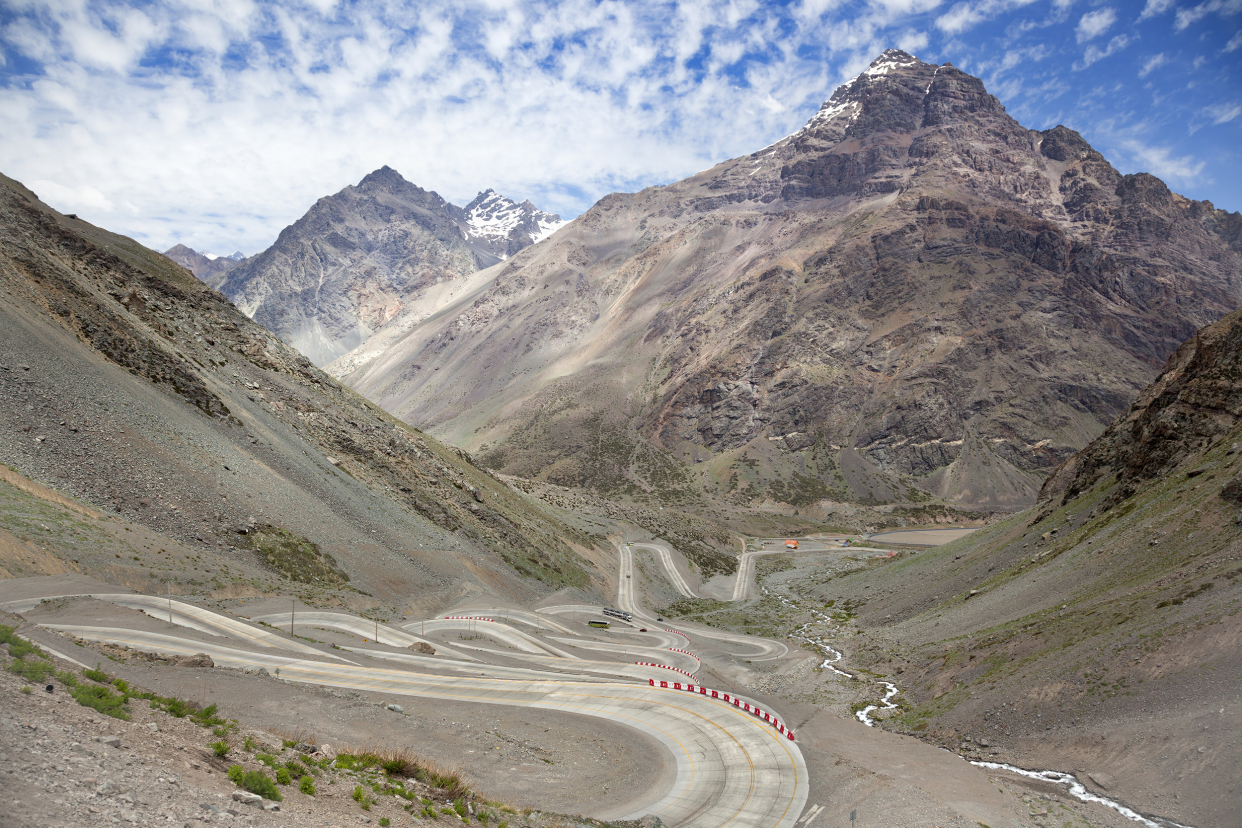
(497, 220)
(891, 60)
(830, 111)
(548, 224)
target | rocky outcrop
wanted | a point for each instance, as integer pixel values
(1195, 402)
(913, 296)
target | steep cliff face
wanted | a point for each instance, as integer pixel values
(913, 296)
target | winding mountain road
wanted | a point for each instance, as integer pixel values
(731, 770)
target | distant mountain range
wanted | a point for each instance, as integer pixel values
(354, 262)
(203, 265)
(913, 297)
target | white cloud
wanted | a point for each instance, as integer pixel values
(1234, 43)
(1094, 54)
(71, 199)
(1222, 113)
(1192, 15)
(1161, 162)
(1093, 24)
(1154, 8)
(966, 15)
(1152, 64)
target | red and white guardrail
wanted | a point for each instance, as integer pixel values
(665, 666)
(687, 652)
(678, 632)
(466, 618)
(738, 703)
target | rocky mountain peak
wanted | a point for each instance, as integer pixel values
(355, 260)
(205, 266)
(502, 227)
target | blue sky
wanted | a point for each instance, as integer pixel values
(218, 122)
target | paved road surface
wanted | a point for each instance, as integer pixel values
(187, 615)
(670, 567)
(686, 662)
(533, 619)
(492, 629)
(362, 627)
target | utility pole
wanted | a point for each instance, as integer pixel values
(170, 602)
(292, 607)
(376, 630)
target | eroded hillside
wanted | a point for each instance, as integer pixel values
(129, 385)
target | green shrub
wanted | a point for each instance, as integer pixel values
(282, 776)
(307, 785)
(219, 748)
(267, 759)
(102, 699)
(258, 782)
(295, 557)
(359, 794)
(385, 822)
(27, 690)
(35, 668)
(236, 772)
(97, 675)
(66, 678)
(207, 717)
(248, 744)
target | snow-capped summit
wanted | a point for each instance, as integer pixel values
(503, 227)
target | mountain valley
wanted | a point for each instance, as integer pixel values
(918, 433)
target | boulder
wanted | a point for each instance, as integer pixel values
(1104, 780)
(196, 660)
(1232, 491)
(327, 751)
(396, 708)
(247, 798)
(423, 647)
